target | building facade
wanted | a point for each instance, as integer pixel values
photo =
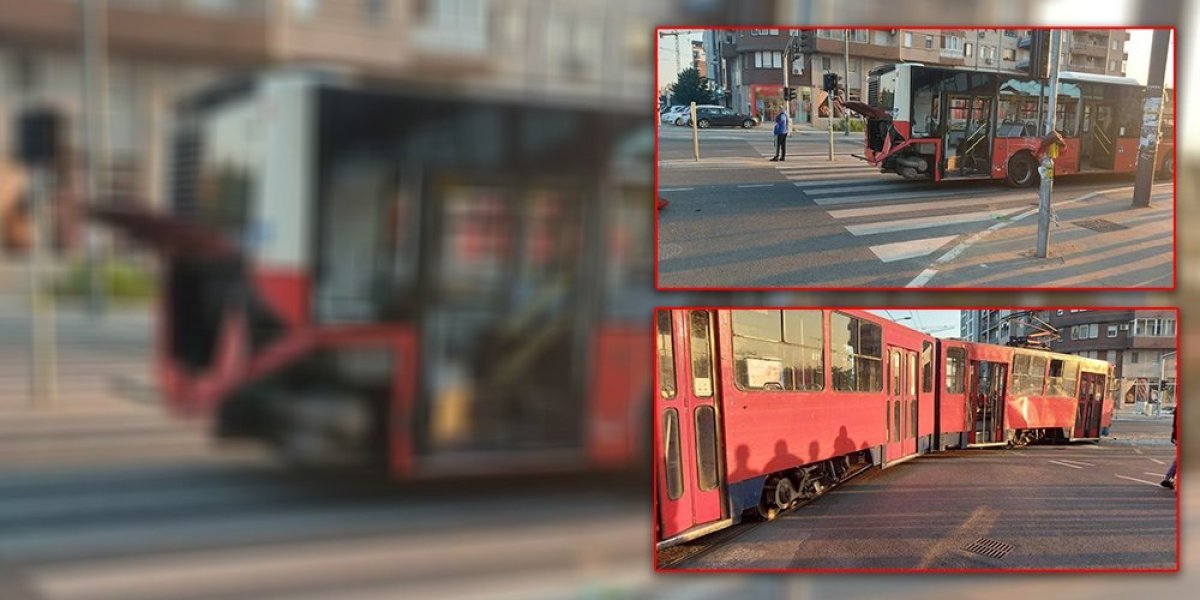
(1000, 326)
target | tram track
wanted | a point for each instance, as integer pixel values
(681, 554)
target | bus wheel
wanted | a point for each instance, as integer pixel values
(1022, 170)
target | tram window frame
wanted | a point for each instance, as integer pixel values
(708, 460)
(926, 367)
(1026, 371)
(956, 368)
(701, 353)
(1066, 382)
(766, 335)
(865, 368)
(672, 447)
(666, 355)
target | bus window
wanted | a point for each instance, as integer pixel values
(1066, 119)
(1017, 114)
(925, 121)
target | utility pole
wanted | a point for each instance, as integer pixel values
(1151, 118)
(787, 67)
(40, 149)
(695, 134)
(1047, 168)
(846, 71)
(93, 96)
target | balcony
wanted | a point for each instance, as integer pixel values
(1089, 49)
(1025, 41)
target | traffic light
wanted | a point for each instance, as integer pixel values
(39, 136)
(830, 82)
(789, 93)
(1039, 53)
(806, 41)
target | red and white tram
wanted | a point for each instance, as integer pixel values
(757, 409)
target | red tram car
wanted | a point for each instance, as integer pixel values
(758, 409)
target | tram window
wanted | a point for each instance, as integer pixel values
(1029, 374)
(856, 354)
(666, 356)
(673, 465)
(1063, 375)
(778, 350)
(894, 370)
(702, 379)
(912, 376)
(926, 367)
(706, 448)
(956, 361)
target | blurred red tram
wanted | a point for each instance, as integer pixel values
(758, 409)
(412, 278)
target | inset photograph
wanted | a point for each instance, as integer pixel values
(973, 439)
(884, 158)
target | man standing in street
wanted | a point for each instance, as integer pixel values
(1169, 479)
(783, 124)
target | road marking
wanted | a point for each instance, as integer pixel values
(1153, 483)
(846, 213)
(834, 198)
(925, 222)
(980, 520)
(922, 278)
(1077, 462)
(1138, 450)
(910, 249)
(756, 185)
(1151, 474)
(1156, 460)
(1065, 464)
(676, 189)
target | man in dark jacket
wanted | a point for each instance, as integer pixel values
(783, 124)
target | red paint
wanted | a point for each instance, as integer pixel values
(288, 292)
(617, 403)
(1126, 155)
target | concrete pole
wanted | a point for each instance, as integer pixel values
(846, 79)
(1047, 168)
(42, 330)
(787, 66)
(93, 109)
(1152, 108)
(830, 94)
(695, 134)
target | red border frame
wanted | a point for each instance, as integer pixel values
(1018, 571)
(1174, 175)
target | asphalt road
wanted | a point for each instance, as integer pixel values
(1079, 506)
(737, 220)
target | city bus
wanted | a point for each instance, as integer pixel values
(940, 123)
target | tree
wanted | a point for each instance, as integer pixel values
(692, 87)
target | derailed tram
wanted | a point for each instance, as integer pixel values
(757, 410)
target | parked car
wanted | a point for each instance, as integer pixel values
(673, 114)
(719, 116)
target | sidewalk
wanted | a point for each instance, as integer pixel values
(1096, 240)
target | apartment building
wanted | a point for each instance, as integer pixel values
(1095, 51)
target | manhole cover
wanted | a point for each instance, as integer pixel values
(989, 548)
(1099, 225)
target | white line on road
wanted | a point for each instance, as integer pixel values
(921, 279)
(1151, 474)
(756, 185)
(846, 213)
(676, 189)
(1138, 450)
(1139, 480)
(1065, 464)
(1077, 462)
(1156, 460)
(926, 222)
(910, 249)
(883, 195)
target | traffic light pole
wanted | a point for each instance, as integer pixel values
(846, 70)
(1047, 167)
(1152, 108)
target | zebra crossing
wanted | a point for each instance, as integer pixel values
(897, 217)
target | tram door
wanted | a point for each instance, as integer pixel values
(689, 467)
(985, 401)
(1097, 135)
(1091, 405)
(967, 141)
(901, 404)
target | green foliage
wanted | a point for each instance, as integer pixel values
(692, 87)
(120, 280)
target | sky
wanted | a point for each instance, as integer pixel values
(668, 66)
(938, 323)
(1138, 48)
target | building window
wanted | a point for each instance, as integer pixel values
(853, 65)
(768, 59)
(861, 36)
(969, 49)
(908, 39)
(1112, 331)
(1010, 54)
(952, 42)
(856, 354)
(1116, 45)
(825, 63)
(778, 350)
(1133, 357)
(1154, 328)
(764, 32)
(1012, 33)
(1112, 65)
(1123, 66)
(929, 42)
(375, 10)
(833, 34)
(26, 75)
